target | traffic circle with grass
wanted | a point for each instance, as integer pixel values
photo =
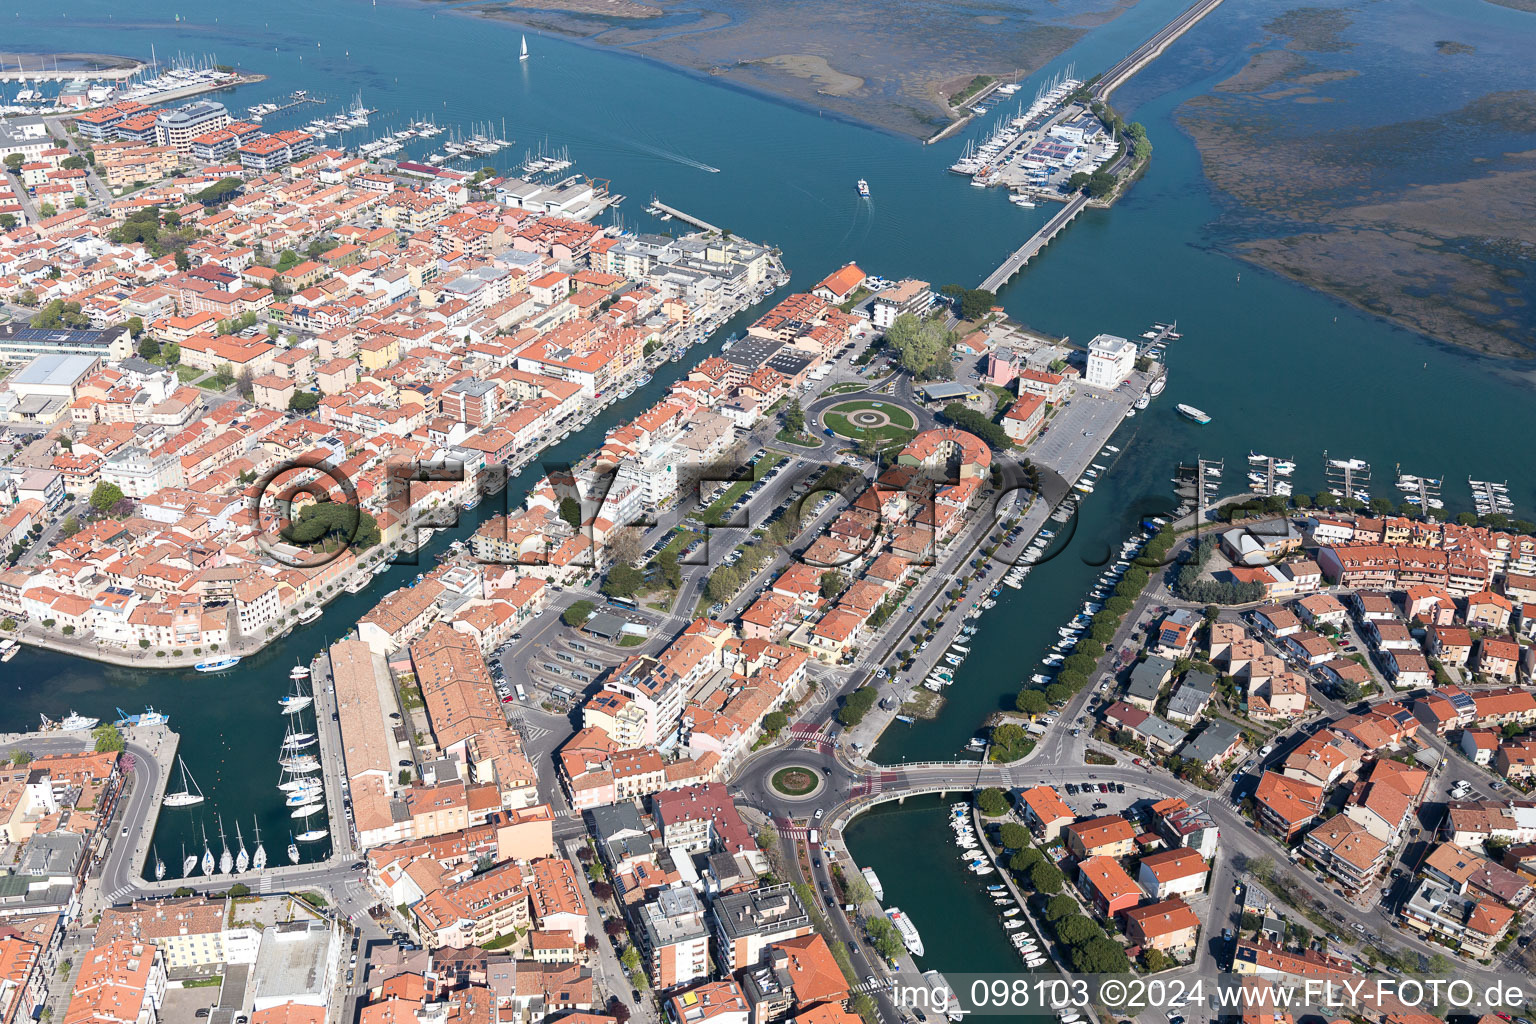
(861, 418)
(797, 782)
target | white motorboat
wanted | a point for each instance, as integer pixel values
(298, 672)
(293, 849)
(907, 930)
(77, 723)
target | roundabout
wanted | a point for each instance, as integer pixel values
(797, 782)
(865, 418)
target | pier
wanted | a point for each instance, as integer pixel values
(1026, 252)
(1266, 475)
(1348, 478)
(686, 218)
(1423, 491)
(1200, 483)
(43, 73)
(1149, 51)
(1490, 497)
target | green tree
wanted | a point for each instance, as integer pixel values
(71, 525)
(73, 163)
(1100, 955)
(623, 581)
(14, 161)
(21, 758)
(79, 202)
(856, 705)
(832, 583)
(921, 346)
(1024, 861)
(993, 802)
(630, 958)
(1076, 928)
(1014, 836)
(774, 722)
(671, 572)
(578, 613)
(46, 210)
(7, 221)
(183, 263)
(303, 401)
(723, 583)
(105, 495)
(108, 738)
(1032, 702)
(976, 303)
(135, 325)
(1046, 878)
(794, 416)
(882, 935)
(1060, 908)
(570, 511)
(1009, 734)
(1155, 960)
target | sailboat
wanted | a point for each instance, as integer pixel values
(159, 865)
(296, 701)
(190, 794)
(259, 858)
(188, 862)
(226, 859)
(242, 859)
(313, 835)
(293, 850)
(524, 54)
(208, 861)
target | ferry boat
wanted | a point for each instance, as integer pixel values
(311, 615)
(874, 883)
(471, 504)
(907, 930)
(216, 666)
(1191, 413)
(863, 188)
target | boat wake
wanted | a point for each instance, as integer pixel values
(676, 158)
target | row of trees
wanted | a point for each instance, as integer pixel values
(1189, 586)
(971, 421)
(975, 303)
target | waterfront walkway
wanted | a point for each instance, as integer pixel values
(1150, 50)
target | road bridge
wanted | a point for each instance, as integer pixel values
(1026, 252)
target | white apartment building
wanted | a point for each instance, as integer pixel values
(1110, 361)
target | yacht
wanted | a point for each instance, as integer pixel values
(307, 810)
(298, 672)
(1190, 412)
(77, 723)
(159, 865)
(189, 795)
(314, 835)
(208, 860)
(9, 649)
(311, 615)
(907, 930)
(242, 858)
(226, 859)
(259, 858)
(188, 862)
(523, 53)
(295, 702)
(863, 188)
